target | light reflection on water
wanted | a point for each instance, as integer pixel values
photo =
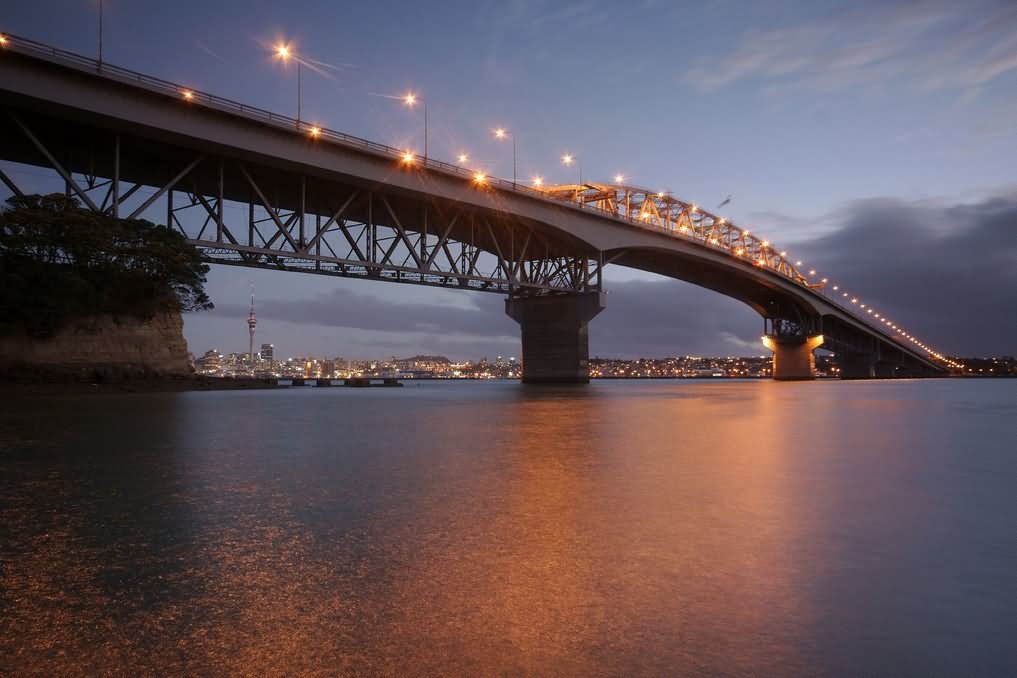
(639, 527)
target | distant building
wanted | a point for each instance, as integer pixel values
(268, 353)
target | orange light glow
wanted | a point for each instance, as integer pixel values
(408, 158)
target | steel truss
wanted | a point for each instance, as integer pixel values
(662, 211)
(299, 223)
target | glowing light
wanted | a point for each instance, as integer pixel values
(538, 181)
(798, 263)
(315, 131)
(854, 301)
(713, 241)
(187, 94)
(766, 243)
(845, 294)
(812, 272)
(282, 51)
(739, 251)
(745, 234)
(479, 177)
(660, 194)
(618, 178)
(463, 157)
(3, 40)
(410, 99)
(693, 209)
(823, 281)
(684, 229)
(784, 253)
(567, 159)
(500, 133)
(408, 158)
(722, 221)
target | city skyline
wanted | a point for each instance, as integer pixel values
(882, 163)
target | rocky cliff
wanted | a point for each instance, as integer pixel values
(101, 348)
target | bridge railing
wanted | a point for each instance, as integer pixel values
(177, 91)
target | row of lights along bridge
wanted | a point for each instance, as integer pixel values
(410, 99)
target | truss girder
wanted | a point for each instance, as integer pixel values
(334, 229)
(665, 212)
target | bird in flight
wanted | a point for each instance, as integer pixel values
(724, 202)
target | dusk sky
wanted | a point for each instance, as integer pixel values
(874, 140)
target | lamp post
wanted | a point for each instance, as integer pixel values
(100, 35)
(502, 133)
(284, 52)
(568, 159)
(410, 100)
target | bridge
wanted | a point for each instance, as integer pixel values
(249, 187)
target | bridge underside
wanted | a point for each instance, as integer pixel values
(247, 213)
(267, 210)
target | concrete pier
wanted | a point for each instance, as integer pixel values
(857, 365)
(556, 347)
(792, 357)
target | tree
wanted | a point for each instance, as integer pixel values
(59, 261)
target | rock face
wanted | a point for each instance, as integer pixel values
(101, 348)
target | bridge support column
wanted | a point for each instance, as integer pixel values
(792, 356)
(556, 347)
(884, 370)
(857, 365)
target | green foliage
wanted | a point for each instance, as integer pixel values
(59, 261)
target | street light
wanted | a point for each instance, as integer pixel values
(284, 52)
(502, 133)
(410, 100)
(567, 160)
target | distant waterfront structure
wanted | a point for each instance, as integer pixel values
(251, 322)
(268, 353)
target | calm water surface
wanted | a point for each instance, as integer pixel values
(473, 528)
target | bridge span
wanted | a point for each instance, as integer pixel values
(253, 188)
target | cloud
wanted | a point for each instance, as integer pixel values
(928, 44)
(948, 273)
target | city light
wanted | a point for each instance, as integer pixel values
(410, 99)
(315, 131)
(499, 133)
(538, 181)
(463, 158)
(479, 177)
(3, 40)
(187, 94)
(408, 158)
(567, 159)
(619, 178)
(282, 51)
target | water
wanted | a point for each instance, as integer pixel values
(622, 528)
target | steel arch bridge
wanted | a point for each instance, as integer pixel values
(252, 188)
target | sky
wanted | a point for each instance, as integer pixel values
(874, 140)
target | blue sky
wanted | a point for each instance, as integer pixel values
(804, 112)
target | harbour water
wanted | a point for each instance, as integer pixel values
(623, 528)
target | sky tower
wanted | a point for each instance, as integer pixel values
(251, 322)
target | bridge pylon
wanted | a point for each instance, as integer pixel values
(556, 345)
